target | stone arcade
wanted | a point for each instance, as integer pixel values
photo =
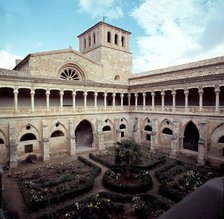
(66, 102)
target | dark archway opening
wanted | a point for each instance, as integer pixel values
(191, 137)
(28, 137)
(57, 133)
(221, 140)
(167, 131)
(148, 128)
(106, 128)
(1, 141)
(84, 134)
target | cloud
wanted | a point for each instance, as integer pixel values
(7, 60)
(99, 8)
(178, 32)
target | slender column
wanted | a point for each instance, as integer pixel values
(32, 93)
(200, 91)
(144, 95)
(122, 100)
(47, 100)
(162, 94)
(129, 100)
(105, 100)
(153, 100)
(73, 100)
(114, 95)
(174, 99)
(186, 93)
(15, 92)
(217, 92)
(136, 101)
(85, 99)
(61, 100)
(95, 100)
(12, 145)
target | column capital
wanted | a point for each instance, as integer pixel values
(174, 93)
(47, 92)
(95, 94)
(162, 93)
(121, 95)
(113, 94)
(200, 90)
(105, 94)
(85, 93)
(73, 93)
(15, 91)
(153, 94)
(186, 92)
(61, 92)
(136, 94)
(32, 92)
(143, 94)
(129, 95)
(217, 89)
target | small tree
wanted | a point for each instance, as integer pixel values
(127, 153)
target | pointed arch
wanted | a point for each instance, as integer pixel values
(191, 137)
(58, 129)
(84, 134)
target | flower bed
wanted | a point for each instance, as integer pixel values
(55, 183)
(128, 182)
(106, 205)
(179, 180)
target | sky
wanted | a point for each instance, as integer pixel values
(164, 32)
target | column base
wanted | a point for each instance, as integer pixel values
(13, 164)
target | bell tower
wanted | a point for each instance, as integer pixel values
(108, 45)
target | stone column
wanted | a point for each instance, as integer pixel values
(129, 100)
(95, 100)
(201, 143)
(73, 100)
(154, 134)
(100, 135)
(186, 93)
(175, 139)
(144, 95)
(200, 91)
(72, 137)
(32, 93)
(136, 130)
(153, 100)
(163, 95)
(217, 92)
(47, 100)
(12, 145)
(105, 101)
(122, 100)
(174, 100)
(117, 129)
(113, 95)
(85, 99)
(46, 153)
(61, 100)
(15, 92)
(136, 101)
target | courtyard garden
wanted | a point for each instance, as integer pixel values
(134, 183)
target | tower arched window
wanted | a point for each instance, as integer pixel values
(122, 41)
(89, 41)
(108, 37)
(116, 39)
(84, 43)
(94, 38)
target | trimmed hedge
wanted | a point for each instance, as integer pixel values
(96, 169)
(127, 188)
(101, 161)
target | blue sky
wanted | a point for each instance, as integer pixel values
(164, 32)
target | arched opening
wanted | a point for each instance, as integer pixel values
(94, 38)
(1, 141)
(84, 43)
(148, 128)
(115, 39)
(122, 128)
(108, 36)
(117, 77)
(89, 40)
(122, 41)
(221, 140)
(28, 137)
(167, 131)
(84, 134)
(57, 133)
(106, 128)
(191, 137)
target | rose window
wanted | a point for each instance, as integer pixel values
(70, 74)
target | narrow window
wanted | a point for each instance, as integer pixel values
(28, 148)
(84, 43)
(148, 137)
(122, 134)
(116, 39)
(89, 41)
(122, 41)
(108, 36)
(94, 38)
